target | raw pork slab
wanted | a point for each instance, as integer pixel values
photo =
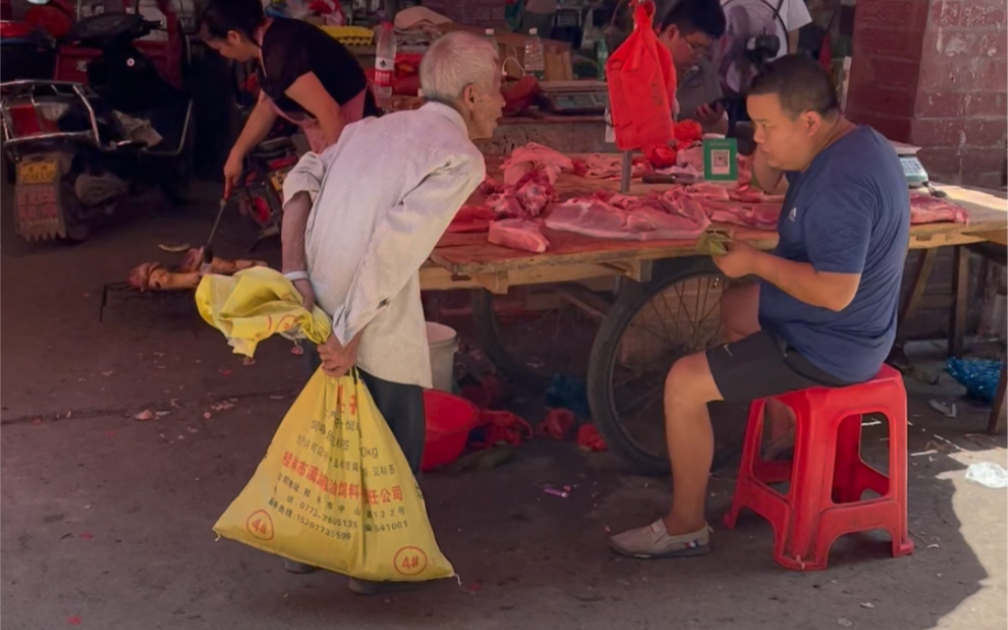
(590, 216)
(926, 208)
(520, 234)
(709, 191)
(598, 166)
(535, 156)
(526, 199)
(472, 219)
(751, 194)
(761, 216)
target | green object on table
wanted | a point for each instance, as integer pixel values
(720, 156)
(712, 243)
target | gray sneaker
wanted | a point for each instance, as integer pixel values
(299, 567)
(654, 542)
(367, 587)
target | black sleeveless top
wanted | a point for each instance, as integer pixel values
(293, 48)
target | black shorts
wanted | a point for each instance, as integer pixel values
(763, 365)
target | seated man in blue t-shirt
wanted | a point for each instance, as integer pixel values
(823, 311)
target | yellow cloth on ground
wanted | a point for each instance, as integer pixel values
(255, 304)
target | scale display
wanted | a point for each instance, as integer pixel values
(585, 102)
(913, 170)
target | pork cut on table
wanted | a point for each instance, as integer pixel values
(761, 216)
(598, 166)
(591, 216)
(534, 156)
(505, 204)
(526, 199)
(925, 208)
(520, 234)
(709, 191)
(488, 187)
(472, 219)
(750, 194)
(691, 157)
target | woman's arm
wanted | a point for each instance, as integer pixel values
(793, 41)
(258, 125)
(308, 92)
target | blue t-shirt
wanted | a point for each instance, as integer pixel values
(848, 212)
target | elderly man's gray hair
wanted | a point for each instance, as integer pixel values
(454, 61)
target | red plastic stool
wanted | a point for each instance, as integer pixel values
(828, 476)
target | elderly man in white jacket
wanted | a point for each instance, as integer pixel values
(363, 216)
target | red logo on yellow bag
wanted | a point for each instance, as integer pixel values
(260, 525)
(410, 561)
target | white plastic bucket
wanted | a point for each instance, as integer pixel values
(443, 342)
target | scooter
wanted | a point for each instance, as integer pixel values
(260, 193)
(78, 150)
(260, 197)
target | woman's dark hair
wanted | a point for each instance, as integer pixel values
(801, 85)
(221, 16)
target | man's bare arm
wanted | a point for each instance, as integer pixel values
(769, 179)
(292, 232)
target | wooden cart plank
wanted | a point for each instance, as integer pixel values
(434, 277)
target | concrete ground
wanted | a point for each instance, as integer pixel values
(106, 520)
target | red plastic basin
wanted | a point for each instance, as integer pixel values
(449, 420)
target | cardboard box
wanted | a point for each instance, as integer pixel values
(512, 45)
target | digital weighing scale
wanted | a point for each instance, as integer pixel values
(916, 176)
(574, 97)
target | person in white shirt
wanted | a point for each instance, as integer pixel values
(363, 216)
(793, 15)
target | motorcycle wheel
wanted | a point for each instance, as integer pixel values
(10, 168)
(77, 224)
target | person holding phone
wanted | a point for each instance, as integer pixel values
(689, 30)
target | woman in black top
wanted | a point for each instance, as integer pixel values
(304, 75)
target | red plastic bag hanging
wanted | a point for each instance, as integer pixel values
(642, 85)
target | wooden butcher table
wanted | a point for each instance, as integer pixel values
(669, 271)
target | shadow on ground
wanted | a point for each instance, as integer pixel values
(107, 520)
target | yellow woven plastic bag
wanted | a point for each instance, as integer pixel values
(334, 489)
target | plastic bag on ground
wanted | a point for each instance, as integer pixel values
(334, 489)
(987, 474)
(642, 85)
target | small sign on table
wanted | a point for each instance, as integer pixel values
(720, 159)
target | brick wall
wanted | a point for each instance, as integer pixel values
(482, 13)
(934, 73)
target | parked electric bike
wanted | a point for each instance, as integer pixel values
(78, 150)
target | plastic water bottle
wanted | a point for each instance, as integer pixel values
(385, 53)
(535, 59)
(601, 57)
